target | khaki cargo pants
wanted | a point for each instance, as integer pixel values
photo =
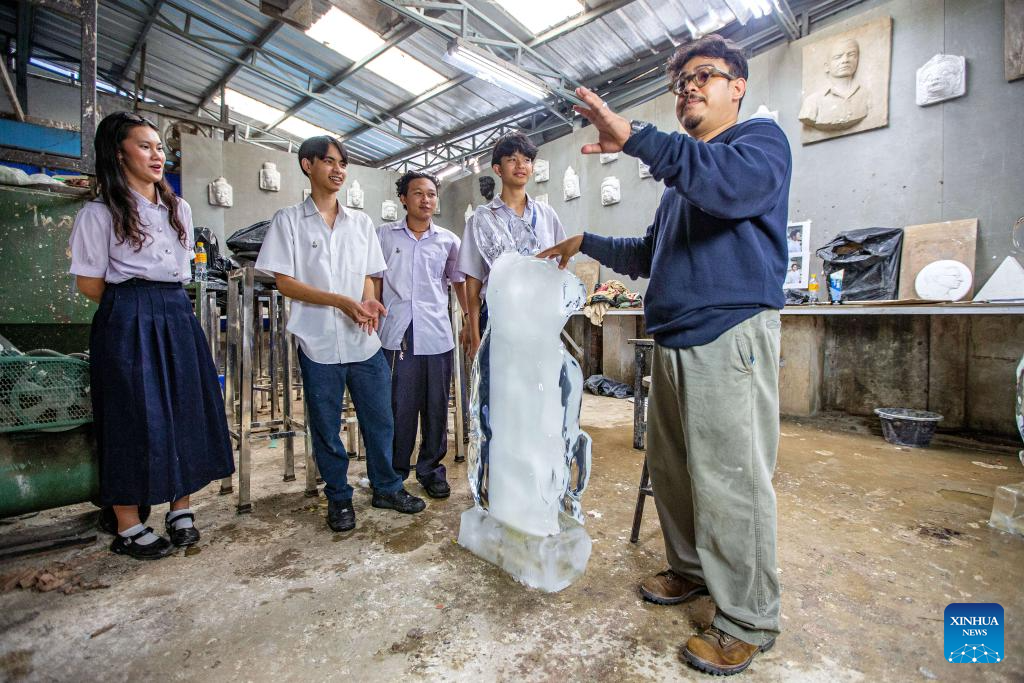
(713, 436)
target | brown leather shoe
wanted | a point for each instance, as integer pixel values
(668, 588)
(718, 653)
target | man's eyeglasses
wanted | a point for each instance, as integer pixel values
(700, 77)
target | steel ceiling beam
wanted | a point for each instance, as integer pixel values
(139, 42)
(545, 37)
(203, 43)
(250, 55)
(337, 79)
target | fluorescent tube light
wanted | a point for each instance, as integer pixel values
(495, 71)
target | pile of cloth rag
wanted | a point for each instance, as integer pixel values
(607, 295)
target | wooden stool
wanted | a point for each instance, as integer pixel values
(645, 478)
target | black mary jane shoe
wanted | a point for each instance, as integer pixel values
(161, 547)
(182, 537)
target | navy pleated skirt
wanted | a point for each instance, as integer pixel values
(157, 404)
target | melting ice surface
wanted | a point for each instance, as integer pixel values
(528, 460)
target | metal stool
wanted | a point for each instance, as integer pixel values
(645, 478)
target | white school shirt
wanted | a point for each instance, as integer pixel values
(300, 245)
(96, 252)
(494, 229)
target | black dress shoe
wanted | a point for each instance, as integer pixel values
(182, 537)
(436, 488)
(161, 547)
(399, 501)
(341, 516)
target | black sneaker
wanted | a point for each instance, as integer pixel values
(182, 537)
(399, 501)
(341, 516)
(161, 547)
(436, 488)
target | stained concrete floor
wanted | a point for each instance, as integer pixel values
(874, 542)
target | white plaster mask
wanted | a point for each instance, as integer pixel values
(354, 196)
(541, 171)
(220, 192)
(389, 210)
(570, 185)
(611, 192)
(942, 77)
(270, 177)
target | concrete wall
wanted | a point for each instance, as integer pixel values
(204, 159)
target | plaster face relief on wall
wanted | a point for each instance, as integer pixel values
(942, 77)
(611, 191)
(388, 210)
(354, 196)
(221, 193)
(763, 112)
(270, 177)
(570, 185)
(945, 280)
(609, 157)
(541, 170)
(437, 206)
(846, 82)
(643, 169)
(1013, 39)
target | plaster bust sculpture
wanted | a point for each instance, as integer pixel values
(843, 103)
(643, 169)
(220, 192)
(354, 196)
(611, 191)
(942, 77)
(945, 280)
(541, 170)
(270, 177)
(389, 210)
(609, 157)
(570, 185)
(487, 187)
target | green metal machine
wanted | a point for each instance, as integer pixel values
(47, 451)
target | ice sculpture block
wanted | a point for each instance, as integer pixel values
(528, 461)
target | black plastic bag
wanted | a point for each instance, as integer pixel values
(603, 386)
(245, 244)
(870, 261)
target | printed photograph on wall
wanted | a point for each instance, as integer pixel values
(796, 272)
(798, 236)
(846, 82)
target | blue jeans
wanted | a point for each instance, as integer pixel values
(369, 383)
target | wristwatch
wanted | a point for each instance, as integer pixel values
(636, 127)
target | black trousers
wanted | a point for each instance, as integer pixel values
(419, 394)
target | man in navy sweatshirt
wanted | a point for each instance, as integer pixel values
(716, 258)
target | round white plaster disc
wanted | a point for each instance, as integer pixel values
(945, 280)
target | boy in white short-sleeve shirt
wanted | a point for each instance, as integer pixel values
(321, 255)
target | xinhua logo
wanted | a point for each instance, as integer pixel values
(973, 632)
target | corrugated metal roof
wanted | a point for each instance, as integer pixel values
(194, 45)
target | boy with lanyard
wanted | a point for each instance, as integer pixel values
(321, 256)
(417, 333)
(512, 221)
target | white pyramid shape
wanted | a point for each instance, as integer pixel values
(1006, 283)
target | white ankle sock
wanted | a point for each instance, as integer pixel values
(178, 520)
(143, 540)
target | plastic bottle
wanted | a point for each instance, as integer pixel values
(200, 275)
(812, 289)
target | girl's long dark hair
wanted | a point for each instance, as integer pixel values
(113, 188)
